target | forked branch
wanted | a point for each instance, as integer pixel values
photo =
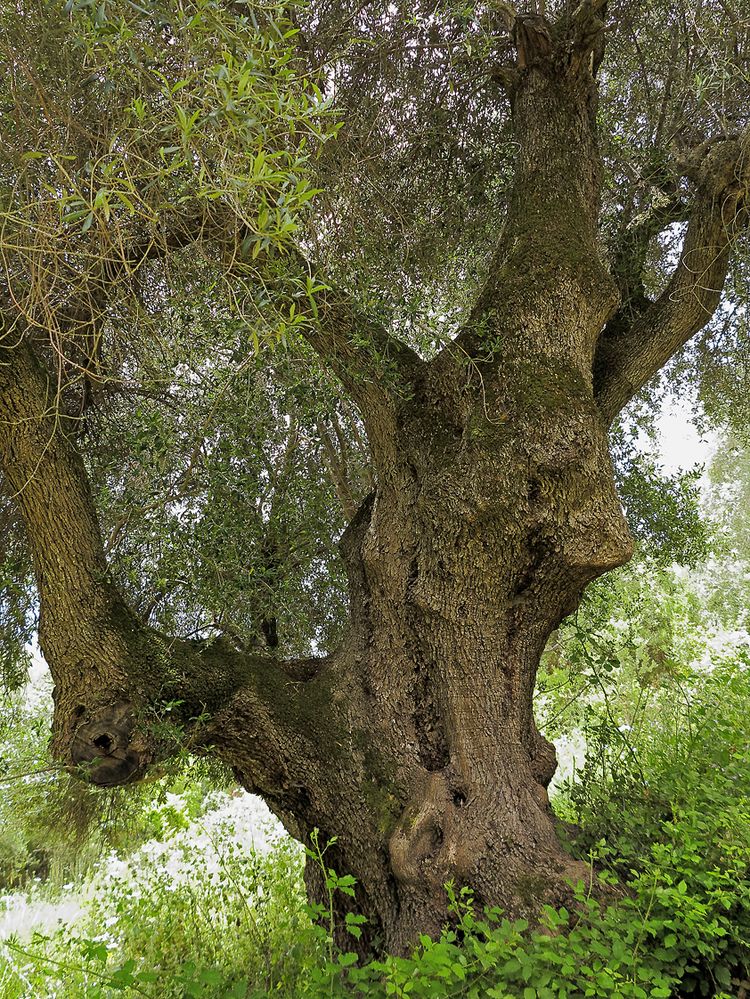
(633, 348)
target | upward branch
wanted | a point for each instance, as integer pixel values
(645, 334)
(48, 483)
(367, 359)
(547, 255)
(370, 363)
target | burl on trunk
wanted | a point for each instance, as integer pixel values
(414, 743)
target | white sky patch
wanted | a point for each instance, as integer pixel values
(681, 445)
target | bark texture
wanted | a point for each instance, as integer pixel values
(415, 743)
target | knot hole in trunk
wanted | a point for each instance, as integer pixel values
(101, 750)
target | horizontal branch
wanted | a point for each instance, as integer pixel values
(184, 695)
(645, 334)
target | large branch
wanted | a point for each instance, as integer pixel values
(547, 257)
(114, 676)
(49, 485)
(371, 364)
(644, 334)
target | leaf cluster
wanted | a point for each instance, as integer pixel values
(130, 131)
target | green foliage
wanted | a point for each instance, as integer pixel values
(662, 800)
(591, 953)
(220, 513)
(726, 581)
(664, 511)
(155, 161)
(44, 817)
(185, 918)
(637, 631)
(666, 823)
(672, 817)
(210, 906)
(133, 129)
(17, 618)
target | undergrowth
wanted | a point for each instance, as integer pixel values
(667, 817)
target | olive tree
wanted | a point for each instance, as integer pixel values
(316, 322)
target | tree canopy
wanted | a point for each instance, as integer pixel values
(158, 163)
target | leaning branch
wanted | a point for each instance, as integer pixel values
(48, 482)
(115, 677)
(632, 349)
(372, 364)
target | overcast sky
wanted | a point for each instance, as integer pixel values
(681, 445)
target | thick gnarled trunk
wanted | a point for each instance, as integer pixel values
(415, 744)
(494, 507)
(476, 543)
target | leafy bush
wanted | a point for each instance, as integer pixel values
(669, 820)
(672, 817)
(197, 913)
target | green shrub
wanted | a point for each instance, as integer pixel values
(672, 818)
(662, 811)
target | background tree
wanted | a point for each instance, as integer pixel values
(525, 215)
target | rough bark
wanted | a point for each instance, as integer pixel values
(415, 743)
